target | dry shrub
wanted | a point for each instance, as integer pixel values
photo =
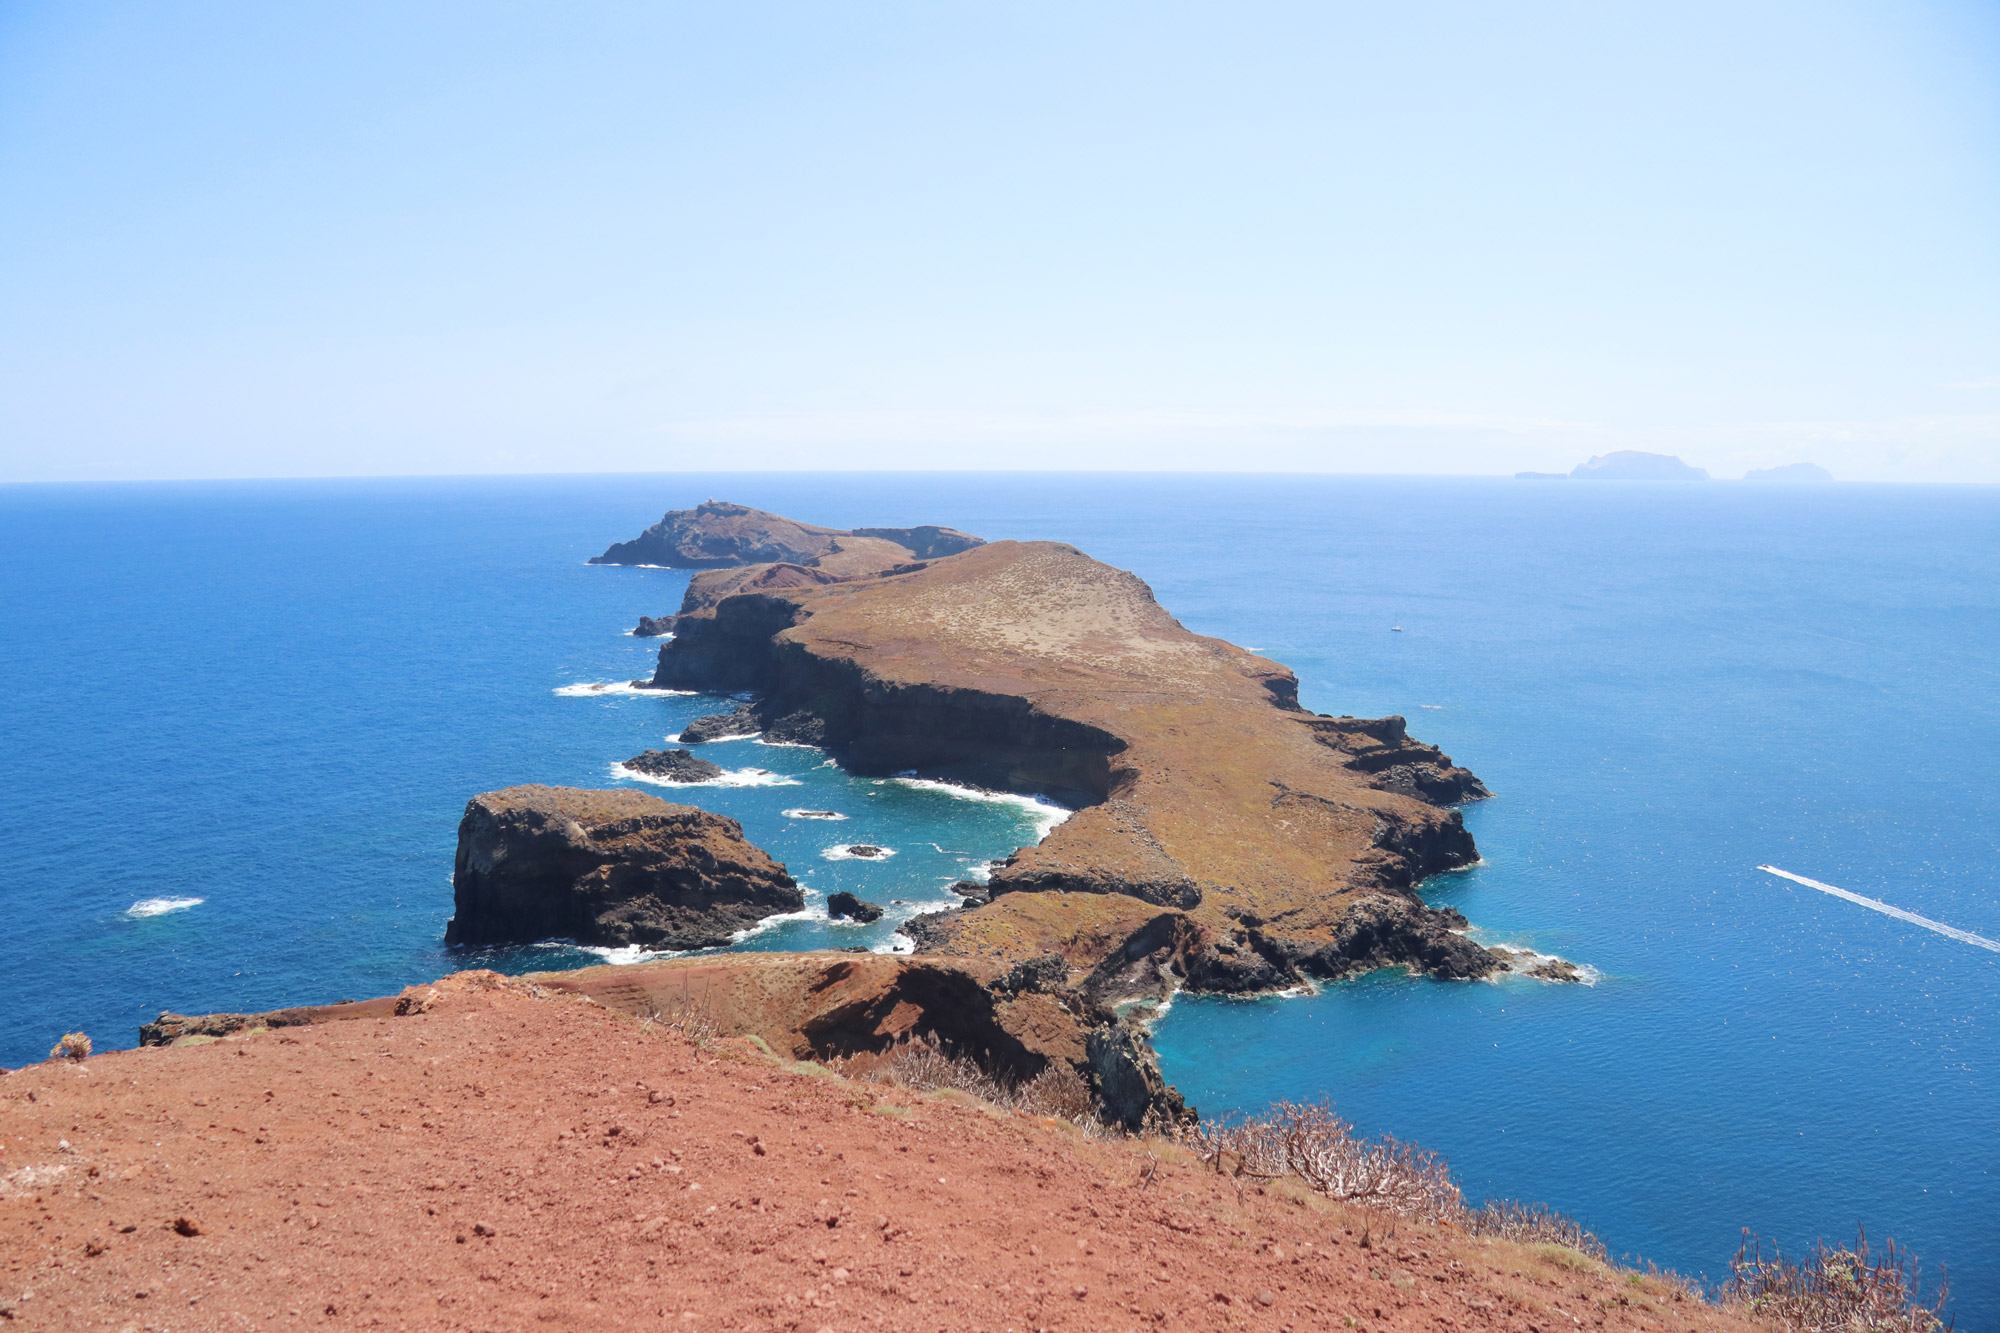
(1058, 1092)
(1837, 1289)
(73, 1046)
(690, 1018)
(1321, 1149)
(1533, 1224)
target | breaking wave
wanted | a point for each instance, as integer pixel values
(586, 689)
(803, 914)
(630, 953)
(1046, 813)
(1522, 961)
(848, 854)
(161, 906)
(734, 777)
(814, 814)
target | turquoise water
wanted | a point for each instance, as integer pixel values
(276, 698)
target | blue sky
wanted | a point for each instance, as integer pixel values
(315, 239)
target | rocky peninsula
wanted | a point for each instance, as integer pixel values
(1224, 838)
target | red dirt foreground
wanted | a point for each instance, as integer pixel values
(505, 1157)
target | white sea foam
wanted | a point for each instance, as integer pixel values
(630, 953)
(635, 634)
(1147, 1013)
(586, 689)
(897, 942)
(732, 777)
(828, 815)
(1046, 813)
(1522, 959)
(843, 854)
(161, 906)
(783, 745)
(803, 914)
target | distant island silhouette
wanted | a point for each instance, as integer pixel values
(1624, 465)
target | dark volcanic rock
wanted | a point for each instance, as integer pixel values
(845, 904)
(1382, 748)
(1049, 972)
(674, 766)
(651, 628)
(798, 728)
(742, 721)
(607, 867)
(1385, 930)
(865, 851)
(1125, 1075)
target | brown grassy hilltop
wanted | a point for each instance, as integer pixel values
(1225, 838)
(501, 1156)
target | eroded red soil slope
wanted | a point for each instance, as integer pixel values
(509, 1160)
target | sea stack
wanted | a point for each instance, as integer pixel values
(613, 868)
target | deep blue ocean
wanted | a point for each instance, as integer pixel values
(276, 698)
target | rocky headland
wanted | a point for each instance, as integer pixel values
(609, 868)
(1224, 837)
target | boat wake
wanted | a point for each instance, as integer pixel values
(1877, 905)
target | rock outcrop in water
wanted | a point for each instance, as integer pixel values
(674, 766)
(613, 868)
(1201, 787)
(717, 535)
(846, 905)
(740, 721)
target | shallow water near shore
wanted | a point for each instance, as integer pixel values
(266, 705)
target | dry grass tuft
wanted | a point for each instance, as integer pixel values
(1837, 1289)
(73, 1046)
